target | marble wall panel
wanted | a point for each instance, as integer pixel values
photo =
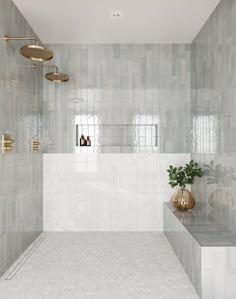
(106, 192)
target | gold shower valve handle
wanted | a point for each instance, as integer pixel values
(34, 145)
(8, 148)
(7, 143)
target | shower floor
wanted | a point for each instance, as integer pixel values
(97, 266)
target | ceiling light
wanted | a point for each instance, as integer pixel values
(116, 14)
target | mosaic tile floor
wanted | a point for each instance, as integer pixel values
(97, 266)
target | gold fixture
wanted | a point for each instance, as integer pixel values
(7, 143)
(34, 145)
(33, 52)
(54, 76)
(57, 77)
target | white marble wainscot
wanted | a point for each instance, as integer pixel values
(211, 269)
(106, 192)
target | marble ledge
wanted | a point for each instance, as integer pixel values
(204, 227)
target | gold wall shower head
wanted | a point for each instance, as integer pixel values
(36, 53)
(53, 76)
(33, 52)
(57, 77)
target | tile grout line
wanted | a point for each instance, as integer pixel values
(24, 260)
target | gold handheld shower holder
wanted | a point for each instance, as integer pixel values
(33, 52)
(7, 143)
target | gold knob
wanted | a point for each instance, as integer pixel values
(34, 145)
(8, 148)
(9, 141)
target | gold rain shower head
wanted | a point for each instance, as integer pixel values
(33, 52)
(53, 76)
(57, 77)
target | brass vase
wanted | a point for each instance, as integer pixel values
(182, 200)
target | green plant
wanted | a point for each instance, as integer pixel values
(183, 176)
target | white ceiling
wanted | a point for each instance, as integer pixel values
(143, 21)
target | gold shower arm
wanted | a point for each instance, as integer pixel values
(7, 38)
(54, 76)
(39, 65)
(44, 65)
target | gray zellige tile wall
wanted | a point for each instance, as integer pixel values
(214, 109)
(21, 117)
(126, 85)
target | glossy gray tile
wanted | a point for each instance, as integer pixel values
(21, 117)
(187, 249)
(125, 86)
(213, 110)
(204, 226)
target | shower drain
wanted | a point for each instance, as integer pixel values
(23, 259)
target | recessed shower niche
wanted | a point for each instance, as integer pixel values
(118, 137)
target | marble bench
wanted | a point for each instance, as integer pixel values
(206, 248)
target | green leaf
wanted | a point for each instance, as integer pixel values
(184, 175)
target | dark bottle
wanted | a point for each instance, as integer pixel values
(82, 141)
(88, 141)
